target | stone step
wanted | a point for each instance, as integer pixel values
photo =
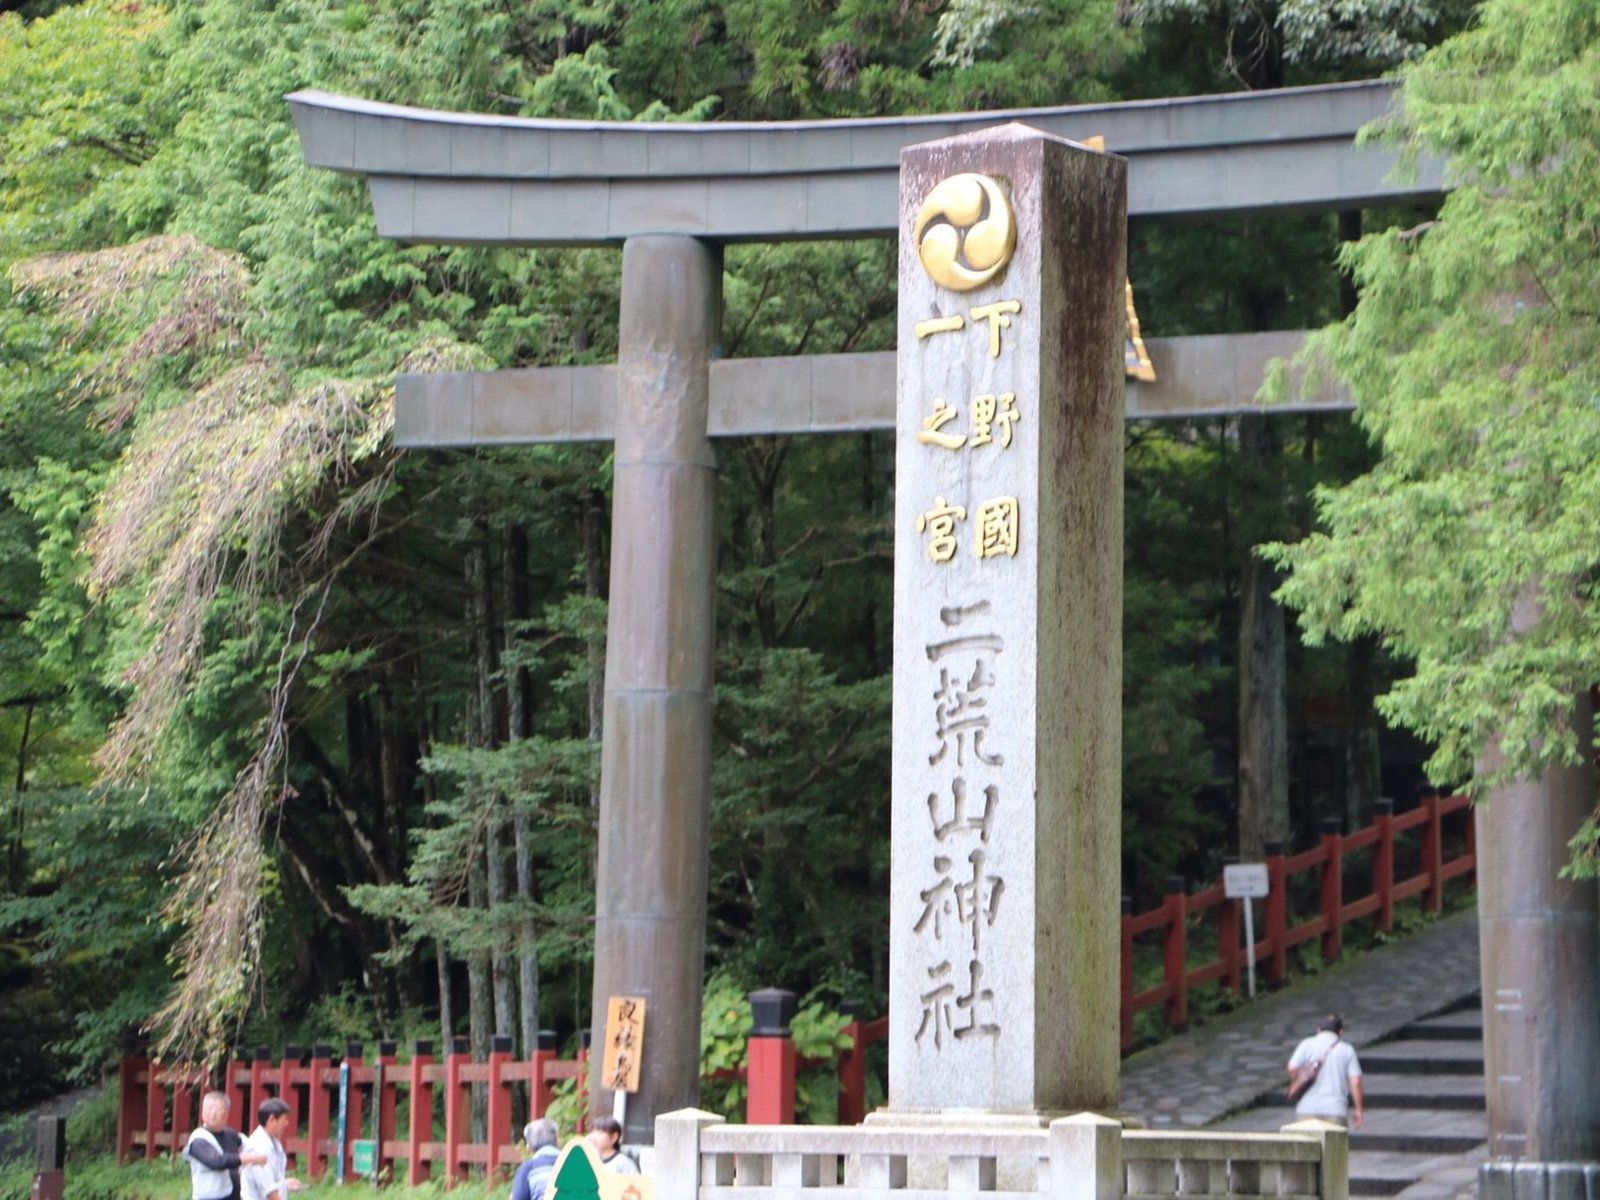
(1420, 1064)
(1438, 1092)
(1464, 1103)
(1462, 1024)
(1458, 1181)
(1423, 1056)
(1388, 1173)
(1428, 1031)
(1365, 1185)
(1417, 1143)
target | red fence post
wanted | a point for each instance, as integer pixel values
(584, 1037)
(387, 1099)
(1176, 959)
(1275, 913)
(1432, 856)
(317, 1111)
(1471, 814)
(457, 1109)
(498, 1106)
(260, 1065)
(1383, 865)
(131, 1102)
(853, 1068)
(290, 1095)
(182, 1110)
(770, 1058)
(1127, 972)
(235, 1075)
(421, 1131)
(1228, 922)
(540, 1091)
(155, 1112)
(1332, 888)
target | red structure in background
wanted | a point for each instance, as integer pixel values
(1327, 864)
(158, 1104)
(155, 1113)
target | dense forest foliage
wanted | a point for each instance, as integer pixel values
(301, 730)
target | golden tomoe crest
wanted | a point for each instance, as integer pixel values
(965, 232)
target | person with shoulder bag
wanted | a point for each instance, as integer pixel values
(1325, 1076)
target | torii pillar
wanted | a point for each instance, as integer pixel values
(655, 763)
(1539, 937)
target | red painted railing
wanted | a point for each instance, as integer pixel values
(1283, 928)
(159, 1105)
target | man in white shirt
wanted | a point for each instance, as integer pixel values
(1335, 1094)
(270, 1180)
(215, 1153)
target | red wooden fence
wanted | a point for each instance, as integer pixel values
(1282, 928)
(158, 1105)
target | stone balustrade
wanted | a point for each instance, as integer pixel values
(1083, 1157)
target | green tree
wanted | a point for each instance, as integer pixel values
(1473, 357)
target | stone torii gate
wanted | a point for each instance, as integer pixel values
(671, 196)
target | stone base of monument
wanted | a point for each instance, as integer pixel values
(1081, 1157)
(1005, 1173)
(1520, 1179)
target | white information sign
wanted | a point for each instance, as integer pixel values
(1244, 881)
(1247, 882)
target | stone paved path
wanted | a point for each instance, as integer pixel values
(1224, 1065)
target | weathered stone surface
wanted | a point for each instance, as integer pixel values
(1006, 859)
(1540, 938)
(580, 181)
(655, 768)
(814, 393)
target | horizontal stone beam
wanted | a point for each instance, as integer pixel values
(824, 393)
(461, 178)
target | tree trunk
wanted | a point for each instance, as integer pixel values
(479, 996)
(447, 1021)
(527, 938)
(1263, 725)
(16, 854)
(518, 727)
(1363, 775)
(479, 710)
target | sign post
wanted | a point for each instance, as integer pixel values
(344, 1107)
(1247, 881)
(619, 1068)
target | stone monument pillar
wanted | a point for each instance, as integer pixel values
(1006, 842)
(655, 766)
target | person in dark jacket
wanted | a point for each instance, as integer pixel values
(533, 1176)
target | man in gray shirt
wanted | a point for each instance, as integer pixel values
(1335, 1094)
